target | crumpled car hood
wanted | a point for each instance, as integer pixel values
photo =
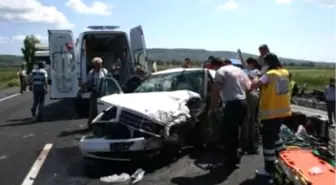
(164, 107)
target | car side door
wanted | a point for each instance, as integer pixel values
(217, 119)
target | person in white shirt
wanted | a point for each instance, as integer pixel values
(93, 78)
(231, 83)
(330, 99)
(23, 78)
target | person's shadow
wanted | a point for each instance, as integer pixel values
(258, 180)
(216, 175)
(212, 162)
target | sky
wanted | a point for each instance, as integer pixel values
(300, 29)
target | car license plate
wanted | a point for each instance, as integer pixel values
(119, 147)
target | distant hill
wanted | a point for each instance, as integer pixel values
(178, 54)
(202, 55)
(9, 60)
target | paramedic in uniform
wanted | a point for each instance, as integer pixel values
(92, 82)
(230, 83)
(39, 79)
(274, 107)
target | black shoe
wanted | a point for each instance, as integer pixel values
(39, 117)
(232, 162)
(89, 125)
(33, 113)
(250, 151)
(231, 165)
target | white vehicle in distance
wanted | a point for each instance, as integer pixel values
(43, 56)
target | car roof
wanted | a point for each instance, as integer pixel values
(180, 69)
(235, 61)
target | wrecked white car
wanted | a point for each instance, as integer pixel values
(166, 109)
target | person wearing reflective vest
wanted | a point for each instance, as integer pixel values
(293, 89)
(274, 107)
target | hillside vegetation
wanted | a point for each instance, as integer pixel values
(316, 74)
(199, 55)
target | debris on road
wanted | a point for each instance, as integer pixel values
(2, 157)
(137, 176)
(28, 135)
(123, 177)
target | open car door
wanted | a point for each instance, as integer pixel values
(107, 86)
(63, 68)
(138, 47)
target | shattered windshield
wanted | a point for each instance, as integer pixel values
(185, 80)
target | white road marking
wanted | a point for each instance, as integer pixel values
(34, 170)
(8, 97)
(2, 157)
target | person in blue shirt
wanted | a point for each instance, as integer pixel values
(330, 99)
(39, 79)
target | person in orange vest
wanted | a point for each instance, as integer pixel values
(274, 107)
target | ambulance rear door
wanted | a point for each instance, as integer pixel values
(63, 67)
(138, 46)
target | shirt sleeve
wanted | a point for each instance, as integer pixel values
(31, 73)
(45, 73)
(247, 82)
(264, 79)
(219, 76)
(105, 72)
(89, 76)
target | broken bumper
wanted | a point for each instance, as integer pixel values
(118, 149)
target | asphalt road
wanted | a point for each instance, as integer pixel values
(22, 140)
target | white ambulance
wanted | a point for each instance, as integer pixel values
(70, 62)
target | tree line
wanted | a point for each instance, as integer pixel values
(28, 51)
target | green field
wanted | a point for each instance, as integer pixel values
(316, 78)
(8, 77)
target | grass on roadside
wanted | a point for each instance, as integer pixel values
(8, 78)
(316, 78)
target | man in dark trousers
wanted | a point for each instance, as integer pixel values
(231, 83)
(39, 79)
(23, 78)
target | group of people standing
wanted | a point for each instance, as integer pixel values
(257, 102)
